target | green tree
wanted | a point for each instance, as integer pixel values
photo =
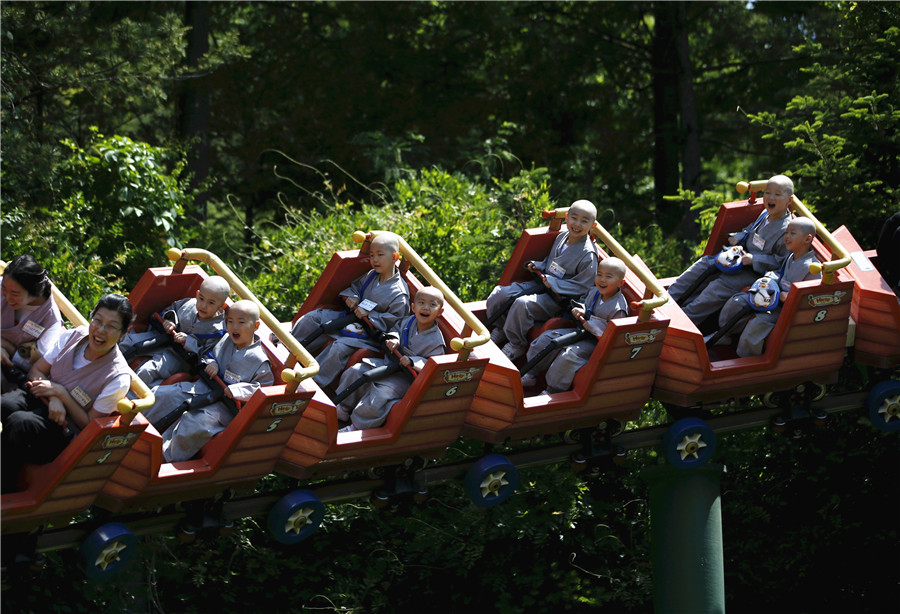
(115, 208)
(841, 134)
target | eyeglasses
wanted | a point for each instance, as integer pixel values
(98, 323)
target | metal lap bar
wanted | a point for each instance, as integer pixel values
(298, 353)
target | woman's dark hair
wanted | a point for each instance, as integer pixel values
(26, 272)
(119, 304)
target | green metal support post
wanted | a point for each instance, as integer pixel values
(686, 533)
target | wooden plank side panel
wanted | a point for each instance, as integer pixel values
(684, 372)
(876, 323)
(311, 434)
(483, 418)
(264, 438)
(446, 422)
(125, 483)
(87, 478)
(75, 476)
(136, 470)
(496, 386)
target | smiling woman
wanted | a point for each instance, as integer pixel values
(29, 319)
(81, 377)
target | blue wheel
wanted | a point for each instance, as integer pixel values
(883, 406)
(689, 443)
(491, 480)
(107, 550)
(295, 517)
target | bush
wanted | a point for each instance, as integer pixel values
(114, 212)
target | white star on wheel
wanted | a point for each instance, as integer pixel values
(890, 408)
(109, 555)
(690, 446)
(493, 483)
(298, 520)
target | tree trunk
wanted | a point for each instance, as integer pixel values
(194, 104)
(690, 129)
(665, 115)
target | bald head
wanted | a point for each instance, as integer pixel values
(614, 265)
(216, 287)
(805, 225)
(586, 207)
(784, 182)
(244, 308)
(387, 240)
(432, 293)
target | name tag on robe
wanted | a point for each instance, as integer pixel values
(83, 398)
(33, 328)
(758, 242)
(555, 270)
(231, 378)
(368, 305)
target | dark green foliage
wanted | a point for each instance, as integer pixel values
(116, 205)
(840, 134)
(804, 527)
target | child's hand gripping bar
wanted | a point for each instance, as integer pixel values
(378, 372)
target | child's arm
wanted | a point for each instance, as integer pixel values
(351, 294)
(168, 323)
(418, 362)
(395, 311)
(242, 391)
(212, 369)
(576, 284)
(762, 262)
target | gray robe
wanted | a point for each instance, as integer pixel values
(368, 406)
(765, 242)
(391, 299)
(41, 325)
(202, 335)
(570, 272)
(244, 371)
(563, 364)
(757, 326)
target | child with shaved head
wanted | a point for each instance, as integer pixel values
(568, 270)
(380, 296)
(415, 338)
(195, 323)
(798, 240)
(242, 364)
(763, 251)
(600, 305)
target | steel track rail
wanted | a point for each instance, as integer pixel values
(339, 491)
